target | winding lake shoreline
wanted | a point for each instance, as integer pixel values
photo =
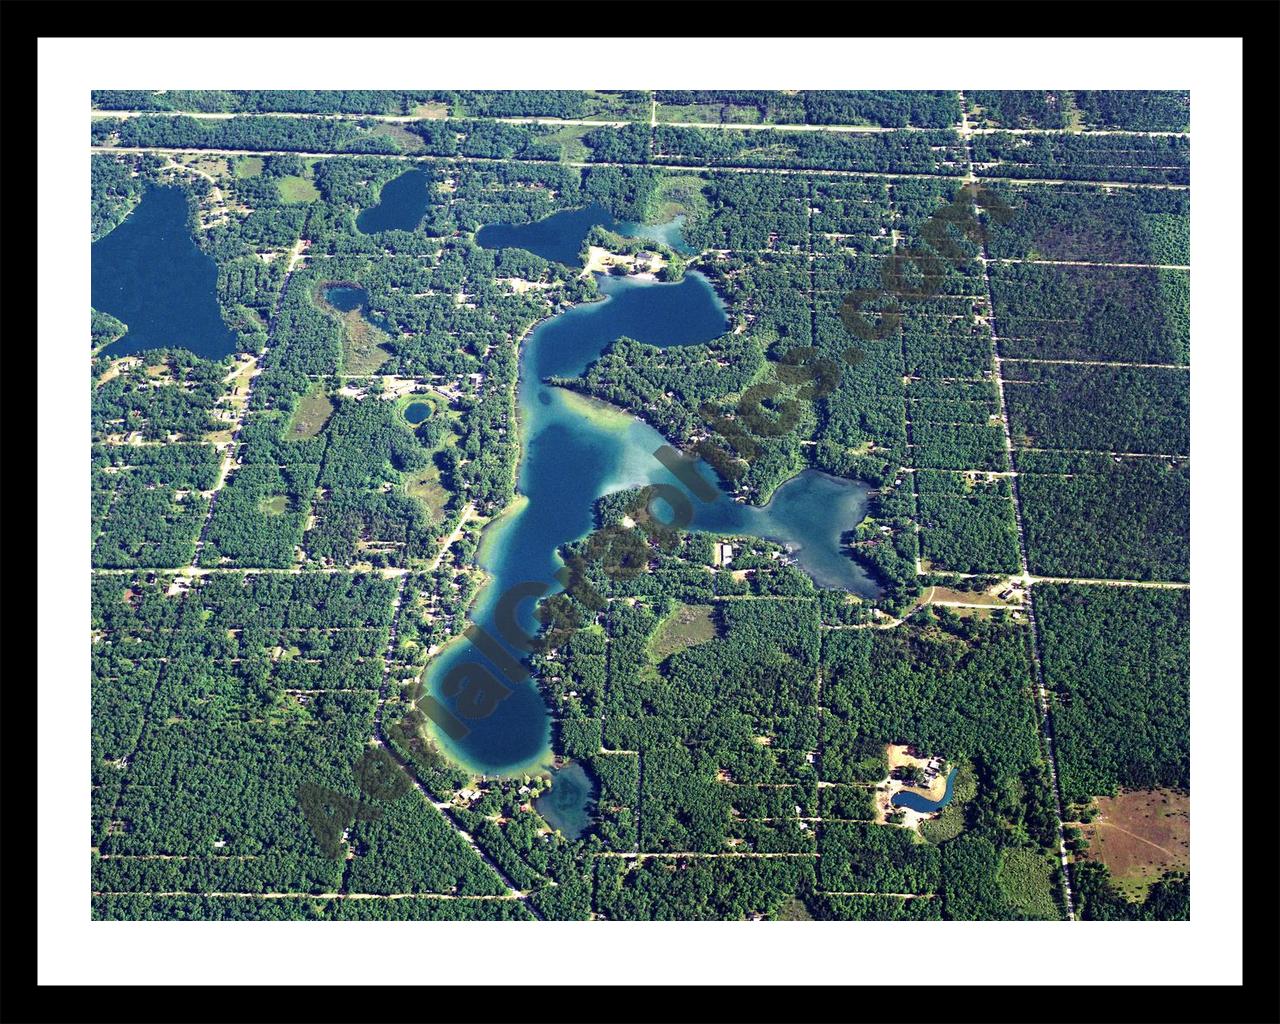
(570, 456)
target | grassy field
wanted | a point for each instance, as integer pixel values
(709, 113)
(675, 196)
(569, 138)
(361, 341)
(248, 167)
(362, 350)
(1139, 835)
(406, 140)
(688, 625)
(425, 485)
(793, 910)
(1026, 876)
(612, 106)
(297, 190)
(1075, 119)
(440, 407)
(941, 595)
(312, 413)
(276, 505)
(951, 822)
(207, 164)
(779, 151)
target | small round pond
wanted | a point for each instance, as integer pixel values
(345, 297)
(416, 412)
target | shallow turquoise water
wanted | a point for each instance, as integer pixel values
(574, 451)
(149, 274)
(670, 233)
(401, 205)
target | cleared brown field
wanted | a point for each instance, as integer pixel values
(943, 595)
(1139, 835)
(431, 111)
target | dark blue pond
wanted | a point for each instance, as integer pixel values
(916, 802)
(401, 205)
(559, 237)
(569, 803)
(416, 412)
(149, 274)
(345, 297)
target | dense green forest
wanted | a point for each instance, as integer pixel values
(1107, 314)
(1019, 108)
(719, 760)
(1092, 224)
(1099, 517)
(1105, 109)
(435, 102)
(279, 552)
(1117, 662)
(924, 152)
(887, 108)
(1135, 109)
(1123, 409)
(966, 529)
(914, 152)
(1147, 159)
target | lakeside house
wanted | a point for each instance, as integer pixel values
(722, 553)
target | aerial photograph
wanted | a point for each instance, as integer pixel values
(639, 505)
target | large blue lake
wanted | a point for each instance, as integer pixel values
(574, 451)
(149, 274)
